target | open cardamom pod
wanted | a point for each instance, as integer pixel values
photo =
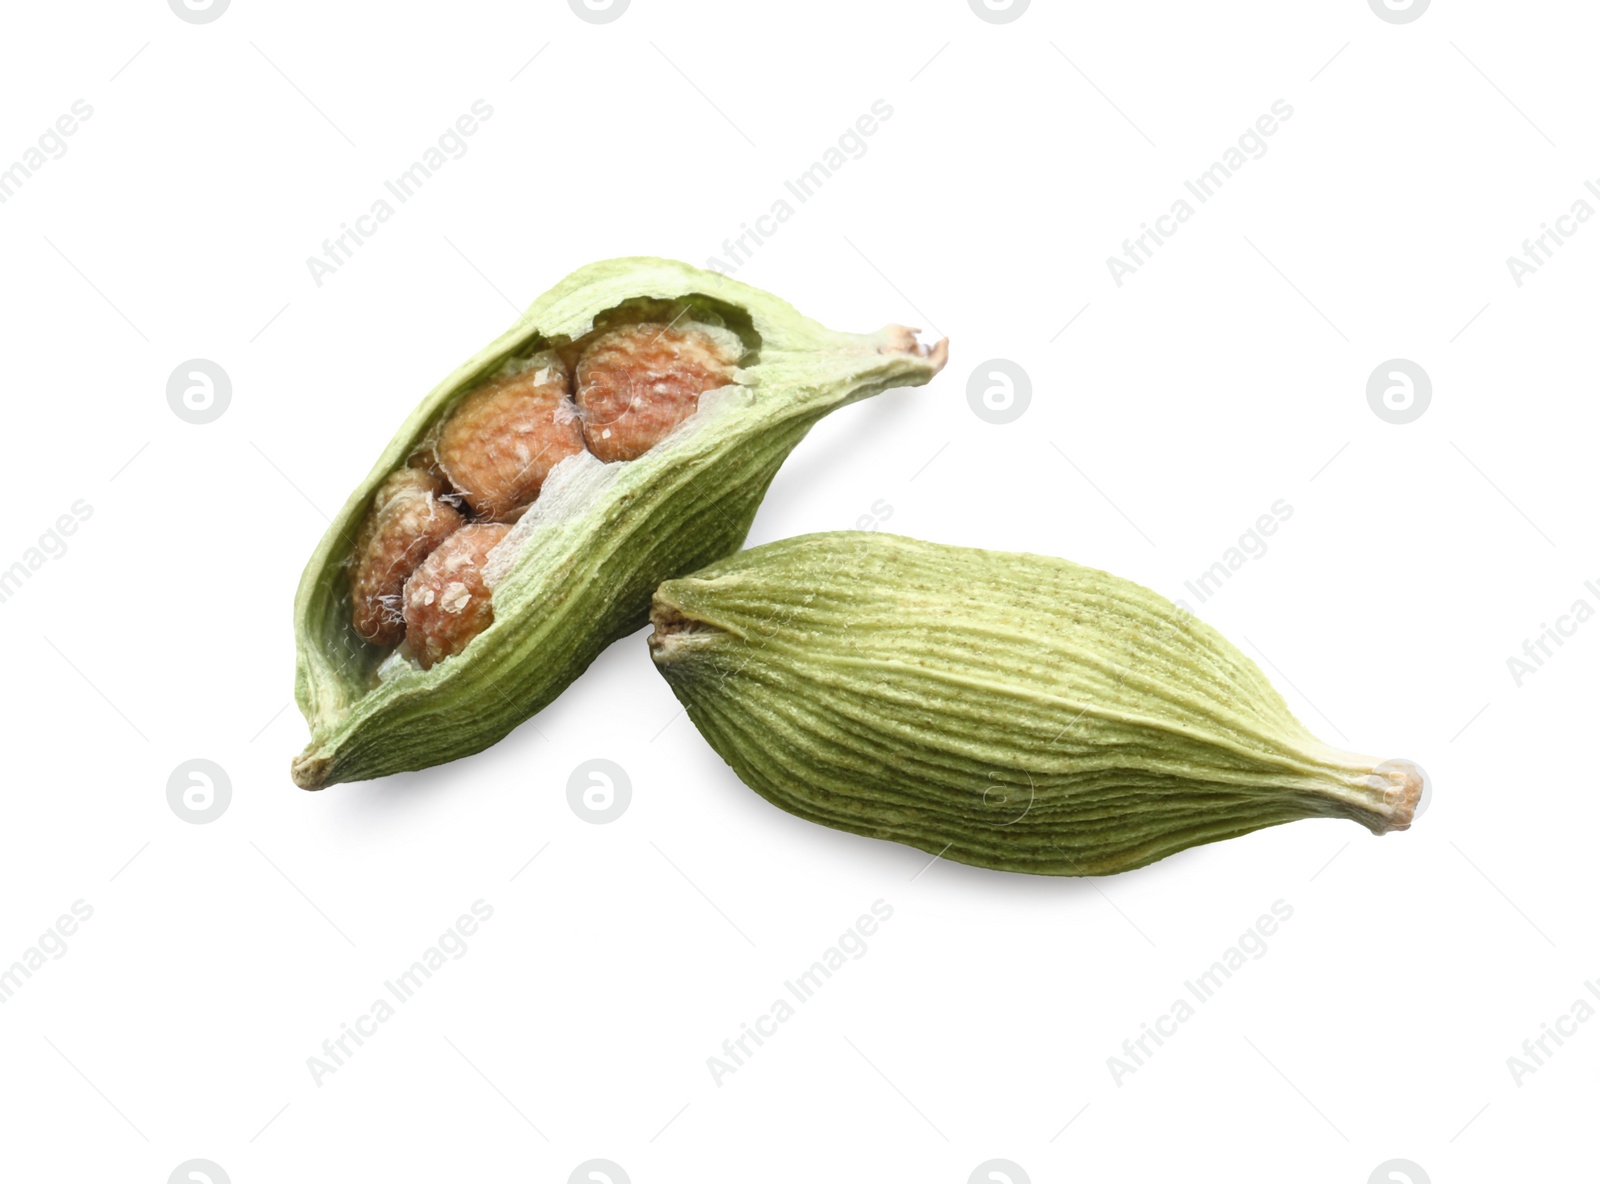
(1010, 711)
(622, 432)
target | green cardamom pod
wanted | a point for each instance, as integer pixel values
(622, 432)
(1010, 711)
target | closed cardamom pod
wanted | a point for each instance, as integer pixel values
(622, 432)
(1010, 711)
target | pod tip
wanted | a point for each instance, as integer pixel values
(309, 770)
(1408, 792)
(901, 339)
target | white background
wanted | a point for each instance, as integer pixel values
(1169, 414)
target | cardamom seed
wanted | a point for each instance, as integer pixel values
(637, 382)
(408, 519)
(448, 601)
(498, 446)
(624, 431)
(1009, 711)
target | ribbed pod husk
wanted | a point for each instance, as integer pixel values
(601, 536)
(1005, 710)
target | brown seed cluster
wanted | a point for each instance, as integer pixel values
(418, 566)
